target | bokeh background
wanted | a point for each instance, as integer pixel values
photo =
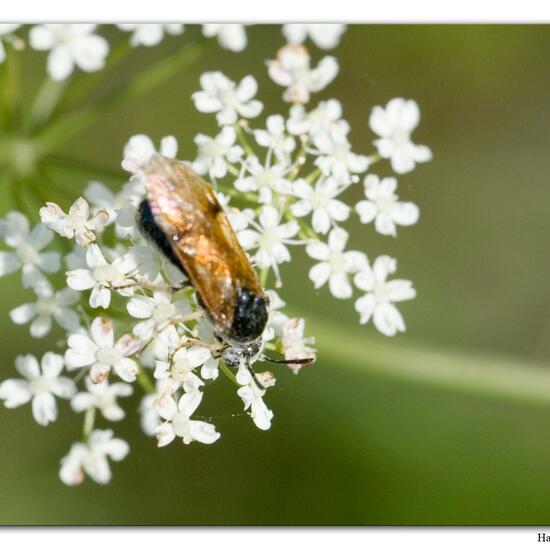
(447, 424)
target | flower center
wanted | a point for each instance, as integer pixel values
(318, 199)
(269, 238)
(213, 149)
(105, 273)
(109, 356)
(385, 205)
(338, 262)
(181, 426)
(401, 136)
(180, 369)
(266, 179)
(40, 385)
(380, 293)
(340, 152)
(47, 306)
(27, 253)
(229, 97)
(163, 312)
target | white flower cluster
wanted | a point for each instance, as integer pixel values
(130, 319)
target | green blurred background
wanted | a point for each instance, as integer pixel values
(447, 424)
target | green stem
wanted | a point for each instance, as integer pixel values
(89, 420)
(45, 102)
(145, 382)
(225, 369)
(75, 122)
(481, 375)
(243, 139)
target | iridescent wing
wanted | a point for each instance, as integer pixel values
(188, 212)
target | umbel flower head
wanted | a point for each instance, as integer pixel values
(129, 319)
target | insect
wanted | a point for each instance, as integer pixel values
(182, 217)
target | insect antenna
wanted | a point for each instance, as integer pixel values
(254, 376)
(303, 361)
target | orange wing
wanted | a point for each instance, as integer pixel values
(187, 210)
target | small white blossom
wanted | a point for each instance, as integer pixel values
(275, 137)
(91, 458)
(28, 245)
(180, 369)
(78, 223)
(322, 120)
(49, 305)
(102, 277)
(381, 294)
(264, 179)
(394, 124)
(336, 157)
(321, 202)
(335, 264)
(292, 70)
(324, 35)
(215, 153)
(231, 36)
(102, 396)
(40, 384)
(70, 45)
(99, 351)
(229, 101)
(151, 263)
(276, 318)
(252, 395)
(149, 417)
(383, 206)
(295, 345)
(6, 29)
(150, 34)
(157, 312)
(179, 424)
(140, 148)
(270, 237)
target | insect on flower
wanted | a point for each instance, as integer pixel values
(183, 218)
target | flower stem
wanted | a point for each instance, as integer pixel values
(225, 369)
(89, 420)
(145, 382)
(76, 121)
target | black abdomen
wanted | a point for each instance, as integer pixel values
(250, 317)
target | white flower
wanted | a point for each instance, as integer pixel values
(5, 29)
(231, 36)
(322, 120)
(77, 223)
(181, 368)
(215, 153)
(41, 383)
(91, 458)
(102, 277)
(321, 201)
(336, 157)
(252, 395)
(103, 397)
(49, 305)
(295, 345)
(140, 148)
(222, 96)
(275, 138)
(28, 245)
(383, 206)
(269, 238)
(70, 45)
(265, 179)
(151, 263)
(157, 312)
(276, 318)
(335, 264)
(381, 294)
(292, 70)
(101, 353)
(149, 417)
(179, 424)
(324, 35)
(150, 34)
(394, 124)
